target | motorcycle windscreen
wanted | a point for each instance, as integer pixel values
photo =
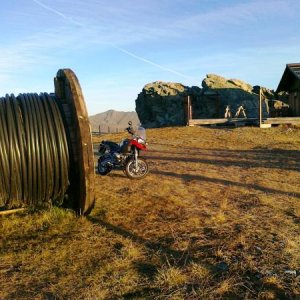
(141, 132)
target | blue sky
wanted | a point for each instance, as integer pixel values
(115, 47)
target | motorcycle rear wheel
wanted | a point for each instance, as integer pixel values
(140, 172)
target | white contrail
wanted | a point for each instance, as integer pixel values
(57, 12)
(71, 20)
(150, 62)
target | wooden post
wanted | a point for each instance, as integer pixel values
(260, 107)
(261, 124)
(188, 110)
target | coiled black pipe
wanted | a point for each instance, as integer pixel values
(34, 155)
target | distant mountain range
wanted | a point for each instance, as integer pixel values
(113, 121)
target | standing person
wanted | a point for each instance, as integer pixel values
(227, 112)
(239, 111)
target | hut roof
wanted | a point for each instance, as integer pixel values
(291, 73)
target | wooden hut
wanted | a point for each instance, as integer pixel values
(290, 82)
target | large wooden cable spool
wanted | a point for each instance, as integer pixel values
(82, 169)
(46, 149)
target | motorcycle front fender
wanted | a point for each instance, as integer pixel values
(138, 145)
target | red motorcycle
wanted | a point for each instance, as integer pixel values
(125, 155)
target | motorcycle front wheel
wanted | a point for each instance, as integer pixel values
(103, 169)
(136, 171)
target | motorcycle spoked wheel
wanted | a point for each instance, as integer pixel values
(103, 170)
(140, 172)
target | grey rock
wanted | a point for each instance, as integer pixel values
(163, 103)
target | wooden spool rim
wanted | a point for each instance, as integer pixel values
(69, 94)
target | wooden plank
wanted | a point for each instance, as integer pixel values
(282, 120)
(262, 125)
(207, 121)
(194, 122)
(11, 211)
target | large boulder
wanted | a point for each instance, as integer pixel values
(218, 92)
(163, 103)
(213, 81)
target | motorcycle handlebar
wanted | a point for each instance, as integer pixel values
(130, 130)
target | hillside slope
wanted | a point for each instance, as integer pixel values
(217, 217)
(113, 121)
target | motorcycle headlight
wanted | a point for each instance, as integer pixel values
(141, 141)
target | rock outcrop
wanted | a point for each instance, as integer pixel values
(233, 92)
(163, 103)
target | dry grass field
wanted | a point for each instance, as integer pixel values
(218, 217)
